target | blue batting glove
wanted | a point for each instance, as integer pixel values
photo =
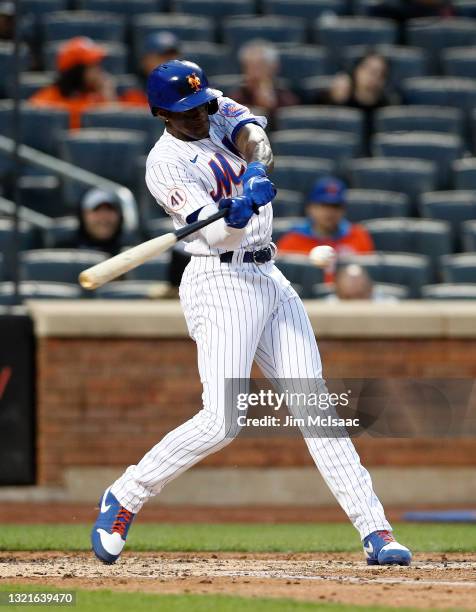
(240, 210)
(256, 185)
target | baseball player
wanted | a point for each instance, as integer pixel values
(213, 154)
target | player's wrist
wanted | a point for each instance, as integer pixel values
(255, 168)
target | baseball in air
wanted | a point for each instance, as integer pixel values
(322, 255)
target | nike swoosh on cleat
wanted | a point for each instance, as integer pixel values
(111, 542)
(104, 507)
(369, 549)
(194, 159)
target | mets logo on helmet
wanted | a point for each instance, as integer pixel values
(194, 82)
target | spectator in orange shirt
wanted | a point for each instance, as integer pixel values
(81, 84)
(326, 224)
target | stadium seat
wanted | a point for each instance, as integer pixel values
(416, 118)
(227, 83)
(31, 82)
(325, 144)
(300, 272)
(7, 65)
(42, 193)
(469, 235)
(443, 149)
(449, 291)
(363, 204)
(63, 229)
(185, 27)
(339, 119)
(313, 89)
(115, 61)
(459, 62)
(62, 25)
(304, 61)
(309, 9)
(434, 35)
(129, 118)
(410, 176)
(131, 290)
(288, 203)
(409, 270)
(239, 30)
(154, 269)
(383, 290)
(464, 8)
(33, 121)
(60, 265)
(211, 8)
(41, 7)
(123, 7)
(2, 268)
(284, 225)
(404, 62)
(28, 239)
(156, 227)
(455, 207)
(110, 153)
(464, 173)
(214, 59)
(441, 91)
(37, 291)
(299, 173)
(423, 236)
(460, 268)
(338, 33)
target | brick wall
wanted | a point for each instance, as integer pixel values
(104, 402)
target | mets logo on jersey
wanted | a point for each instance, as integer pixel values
(225, 176)
(194, 81)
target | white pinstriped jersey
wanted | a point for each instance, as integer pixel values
(185, 176)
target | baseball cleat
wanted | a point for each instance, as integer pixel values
(381, 548)
(110, 529)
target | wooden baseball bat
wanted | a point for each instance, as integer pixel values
(103, 272)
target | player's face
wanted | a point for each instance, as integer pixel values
(193, 124)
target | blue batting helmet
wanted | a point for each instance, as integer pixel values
(178, 86)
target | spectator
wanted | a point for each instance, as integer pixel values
(353, 283)
(7, 21)
(159, 47)
(81, 84)
(259, 61)
(326, 224)
(100, 224)
(365, 88)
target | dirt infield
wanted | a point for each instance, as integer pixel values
(434, 580)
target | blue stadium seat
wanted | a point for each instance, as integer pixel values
(313, 89)
(309, 9)
(2, 268)
(227, 83)
(341, 32)
(364, 204)
(129, 118)
(63, 229)
(62, 25)
(464, 173)
(115, 61)
(185, 27)
(41, 7)
(383, 290)
(123, 7)
(443, 149)
(7, 65)
(460, 268)
(60, 265)
(464, 8)
(325, 144)
(155, 269)
(449, 291)
(31, 82)
(404, 62)
(211, 8)
(214, 59)
(239, 30)
(455, 207)
(410, 270)
(288, 203)
(300, 173)
(423, 236)
(28, 239)
(416, 118)
(459, 62)
(33, 121)
(111, 153)
(339, 119)
(284, 225)
(156, 227)
(131, 290)
(38, 291)
(42, 193)
(300, 272)
(434, 35)
(304, 61)
(441, 91)
(469, 235)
